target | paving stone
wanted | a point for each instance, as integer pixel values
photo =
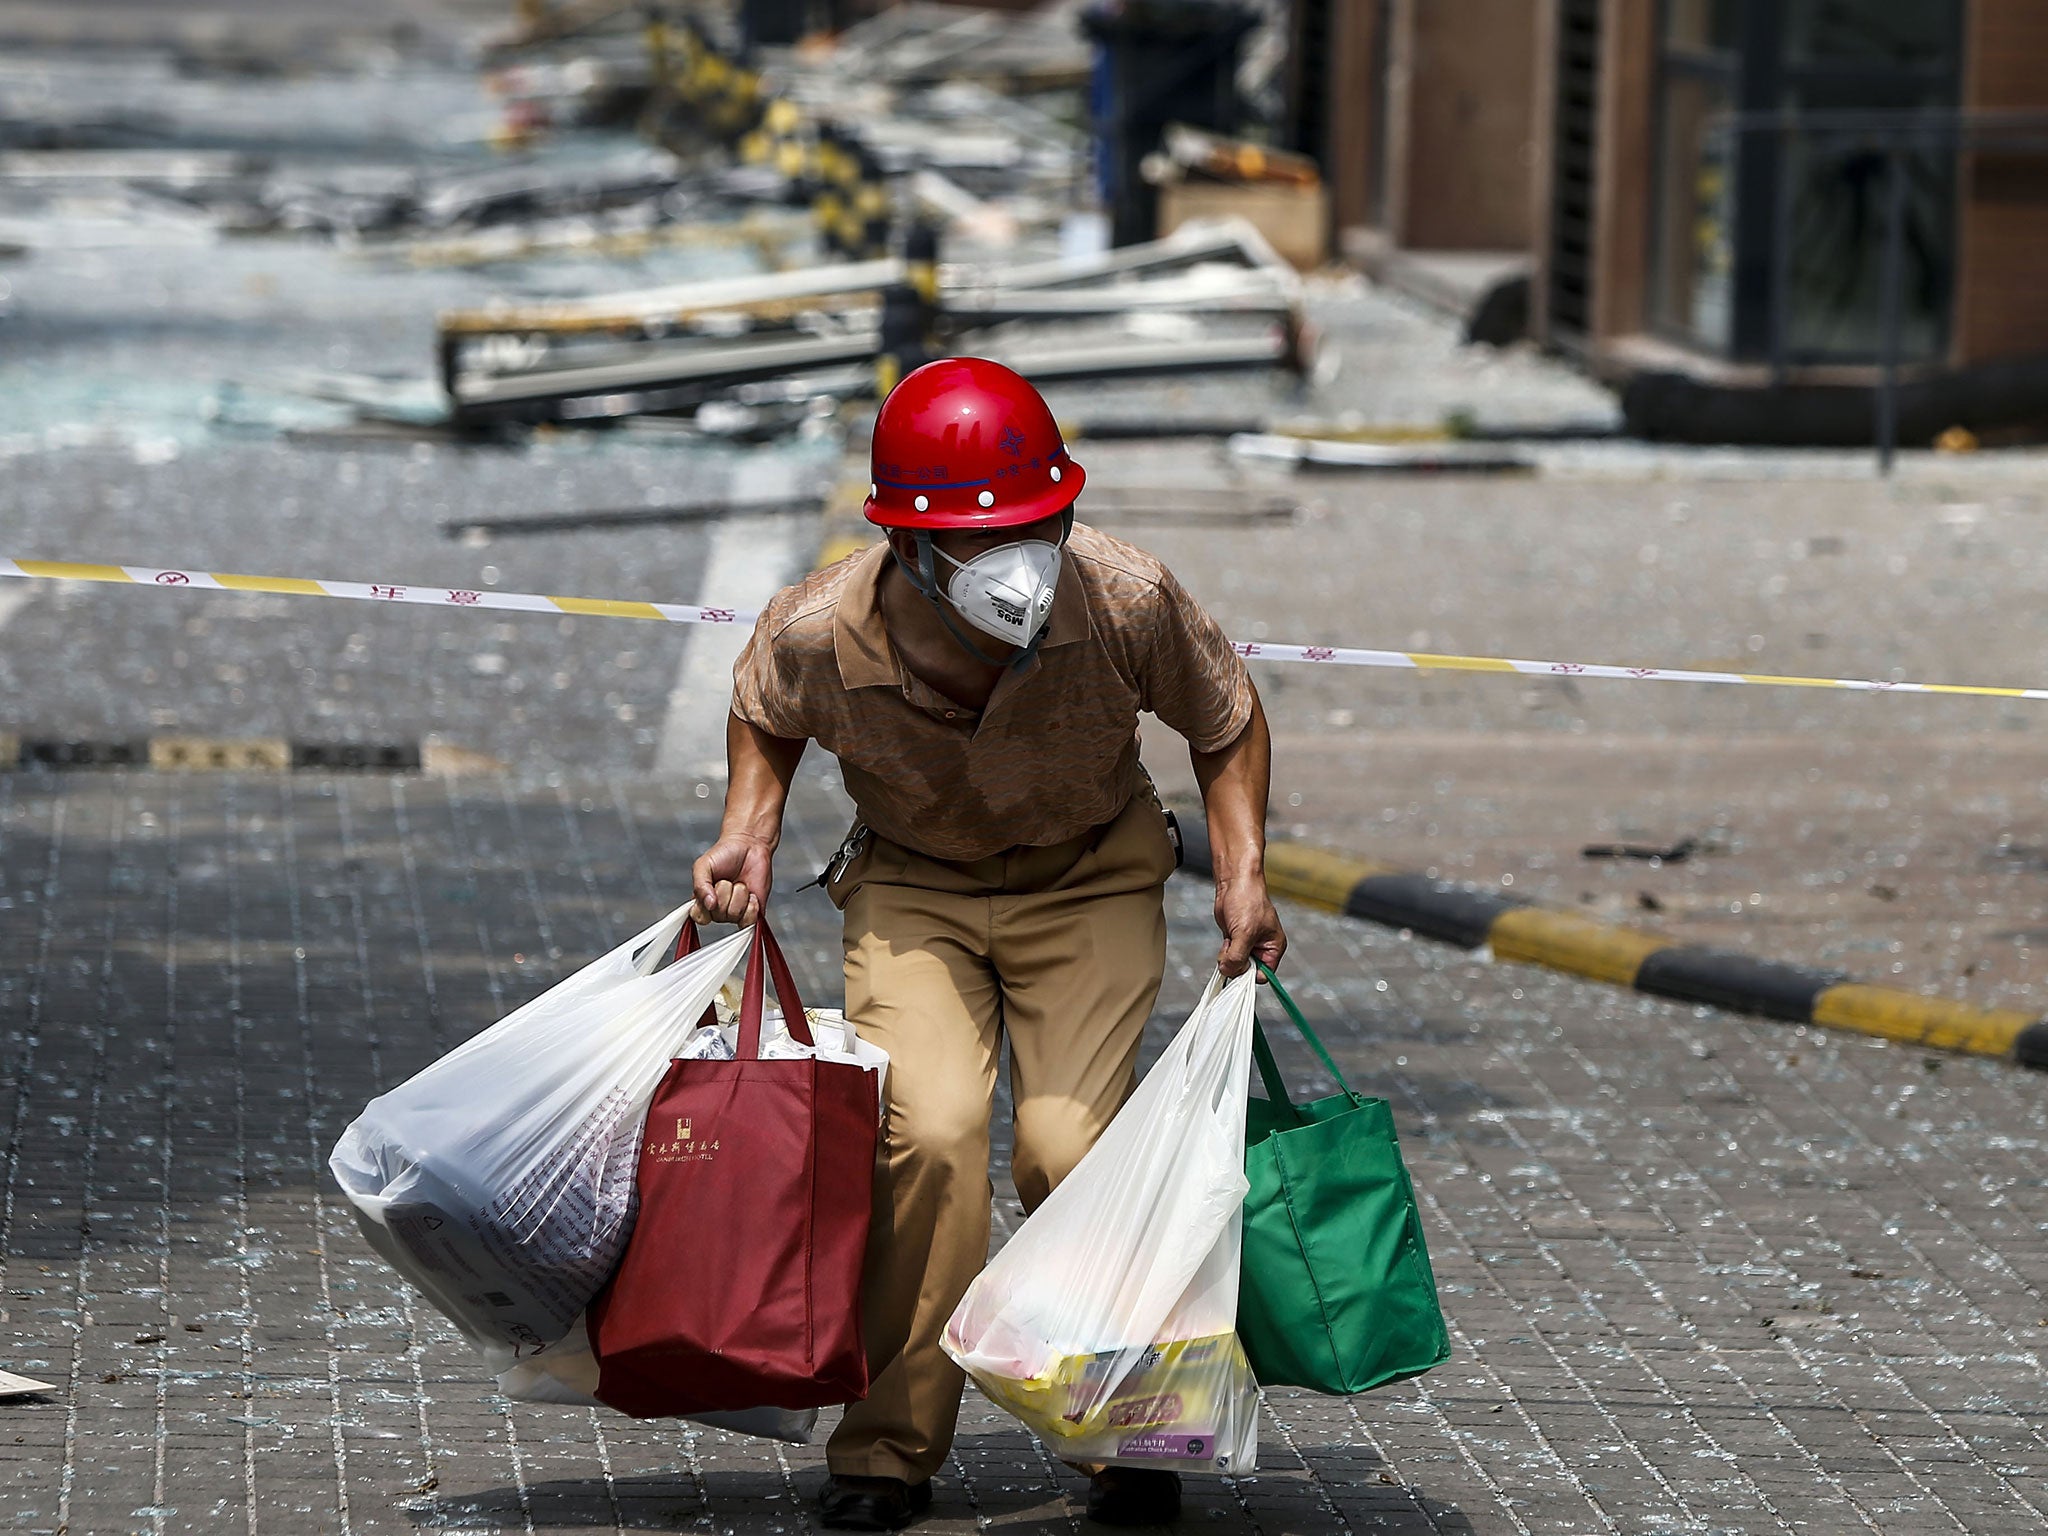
(208, 977)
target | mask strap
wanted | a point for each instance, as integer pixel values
(924, 578)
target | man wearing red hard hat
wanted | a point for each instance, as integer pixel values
(979, 676)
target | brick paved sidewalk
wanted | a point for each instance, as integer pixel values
(1704, 1274)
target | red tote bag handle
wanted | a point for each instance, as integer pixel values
(687, 942)
(764, 961)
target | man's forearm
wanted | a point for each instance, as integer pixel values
(759, 770)
(1235, 781)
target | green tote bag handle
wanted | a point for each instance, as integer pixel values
(1269, 1069)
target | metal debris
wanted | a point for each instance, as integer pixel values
(1383, 458)
(627, 517)
(1675, 853)
(1206, 298)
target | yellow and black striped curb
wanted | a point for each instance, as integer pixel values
(1514, 928)
(244, 754)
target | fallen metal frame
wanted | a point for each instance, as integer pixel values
(628, 517)
(1309, 453)
(771, 292)
(686, 377)
(1227, 240)
(829, 318)
(667, 366)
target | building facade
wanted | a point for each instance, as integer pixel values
(1737, 210)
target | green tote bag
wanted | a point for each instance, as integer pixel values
(1336, 1292)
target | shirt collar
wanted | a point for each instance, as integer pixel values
(860, 639)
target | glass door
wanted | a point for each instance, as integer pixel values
(1843, 73)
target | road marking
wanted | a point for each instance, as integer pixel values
(12, 600)
(750, 560)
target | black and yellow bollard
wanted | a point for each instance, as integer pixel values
(910, 311)
(837, 174)
(921, 264)
(867, 212)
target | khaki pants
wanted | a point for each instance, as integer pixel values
(1061, 950)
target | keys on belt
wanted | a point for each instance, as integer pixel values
(849, 850)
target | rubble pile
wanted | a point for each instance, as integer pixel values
(666, 225)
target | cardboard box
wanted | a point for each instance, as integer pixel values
(1296, 219)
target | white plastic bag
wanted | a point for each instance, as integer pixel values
(566, 1375)
(1108, 1323)
(832, 1033)
(500, 1179)
(836, 1041)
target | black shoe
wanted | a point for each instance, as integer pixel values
(1134, 1496)
(871, 1503)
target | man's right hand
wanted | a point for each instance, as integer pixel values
(732, 879)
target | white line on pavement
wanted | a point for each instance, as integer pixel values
(12, 600)
(751, 558)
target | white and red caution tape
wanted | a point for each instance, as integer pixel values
(371, 591)
(1425, 661)
(690, 613)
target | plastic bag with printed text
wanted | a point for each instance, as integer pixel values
(1107, 1324)
(499, 1180)
(567, 1373)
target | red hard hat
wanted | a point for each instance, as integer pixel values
(967, 443)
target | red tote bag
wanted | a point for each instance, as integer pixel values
(740, 1286)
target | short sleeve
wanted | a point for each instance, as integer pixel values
(761, 695)
(1195, 681)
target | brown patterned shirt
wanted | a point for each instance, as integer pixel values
(1056, 750)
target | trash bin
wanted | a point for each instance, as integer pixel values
(1157, 62)
(775, 21)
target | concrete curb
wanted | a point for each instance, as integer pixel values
(1515, 928)
(223, 754)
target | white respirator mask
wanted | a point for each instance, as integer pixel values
(1008, 591)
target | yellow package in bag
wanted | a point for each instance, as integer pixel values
(1190, 1405)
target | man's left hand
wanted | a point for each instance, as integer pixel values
(1251, 928)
